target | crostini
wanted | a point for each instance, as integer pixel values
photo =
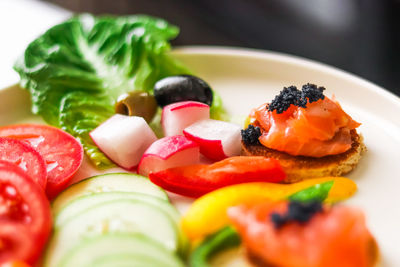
(307, 132)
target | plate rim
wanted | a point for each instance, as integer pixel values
(289, 59)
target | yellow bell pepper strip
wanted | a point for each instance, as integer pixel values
(207, 214)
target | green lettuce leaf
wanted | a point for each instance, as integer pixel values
(77, 69)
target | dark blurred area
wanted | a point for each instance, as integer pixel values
(359, 36)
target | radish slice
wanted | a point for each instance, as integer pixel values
(124, 139)
(177, 116)
(169, 152)
(217, 139)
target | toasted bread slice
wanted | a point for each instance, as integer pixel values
(298, 168)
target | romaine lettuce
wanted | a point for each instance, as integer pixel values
(77, 69)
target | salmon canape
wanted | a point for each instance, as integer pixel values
(309, 133)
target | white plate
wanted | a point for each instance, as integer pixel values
(247, 78)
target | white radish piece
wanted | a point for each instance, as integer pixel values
(217, 139)
(169, 152)
(177, 116)
(124, 139)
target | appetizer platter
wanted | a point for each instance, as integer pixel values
(124, 153)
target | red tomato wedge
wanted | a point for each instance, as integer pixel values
(62, 153)
(26, 158)
(22, 204)
(197, 180)
(338, 236)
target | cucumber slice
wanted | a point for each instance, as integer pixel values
(126, 260)
(85, 202)
(76, 206)
(112, 182)
(90, 251)
(123, 216)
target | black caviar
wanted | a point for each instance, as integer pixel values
(297, 212)
(250, 135)
(293, 96)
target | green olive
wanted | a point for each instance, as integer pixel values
(137, 103)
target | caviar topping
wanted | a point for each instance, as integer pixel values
(312, 92)
(293, 96)
(250, 135)
(297, 212)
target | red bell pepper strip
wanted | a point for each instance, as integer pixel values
(197, 180)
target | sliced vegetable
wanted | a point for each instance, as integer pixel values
(86, 202)
(177, 116)
(15, 263)
(27, 158)
(89, 251)
(333, 235)
(217, 139)
(25, 216)
(124, 139)
(123, 216)
(16, 243)
(213, 244)
(208, 213)
(62, 153)
(79, 205)
(113, 182)
(127, 260)
(182, 88)
(137, 103)
(197, 180)
(169, 152)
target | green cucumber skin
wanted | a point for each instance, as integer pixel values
(83, 188)
(107, 246)
(213, 244)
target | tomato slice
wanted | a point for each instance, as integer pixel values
(62, 153)
(14, 263)
(22, 203)
(25, 157)
(15, 243)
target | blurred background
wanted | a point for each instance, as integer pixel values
(359, 36)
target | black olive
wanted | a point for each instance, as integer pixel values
(182, 88)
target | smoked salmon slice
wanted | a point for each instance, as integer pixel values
(334, 236)
(320, 129)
